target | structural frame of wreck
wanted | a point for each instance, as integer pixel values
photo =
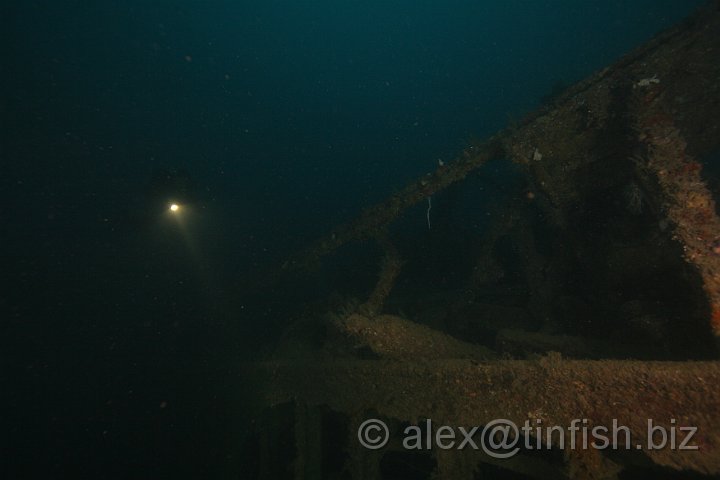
(646, 121)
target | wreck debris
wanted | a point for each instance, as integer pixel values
(373, 220)
(688, 204)
(392, 337)
(552, 391)
(389, 270)
(520, 342)
(620, 136)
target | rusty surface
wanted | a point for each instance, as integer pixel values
(553, 391)
(645, 121)
(684, 197)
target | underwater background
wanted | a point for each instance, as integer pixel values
(271, 122)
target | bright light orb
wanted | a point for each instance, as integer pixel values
(174, 207)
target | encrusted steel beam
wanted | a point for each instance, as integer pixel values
(550, 391)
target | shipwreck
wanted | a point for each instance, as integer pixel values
(590, 290)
